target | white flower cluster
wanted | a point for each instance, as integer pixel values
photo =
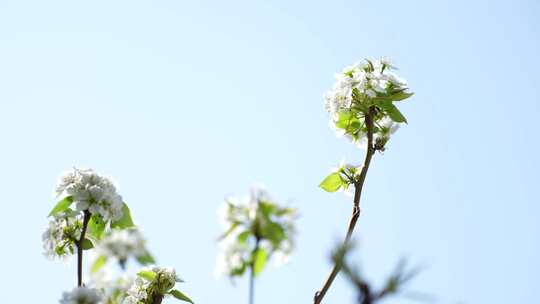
(166, 274)
(362, 82)
(60, 236)
(91, 191)
(370, 79)
(137, 293)
(81, 295)
(122, 244)
(239, 217)
(141, 289)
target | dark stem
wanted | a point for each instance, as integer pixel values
(252, 275)
(319, 295)
(157, 299)
(79, 244)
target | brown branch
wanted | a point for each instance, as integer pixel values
(319, 295)
(79, 244)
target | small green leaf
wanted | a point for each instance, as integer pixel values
(146, 258)
(393, 112)
(396, 115)
(180, 296)
(96, 227)
(348, 121)
(239, 270)
(62, 205)
(267, 208)
(260, 257)
(332, 182)
(242, 237)
(87, 244)
(147, 275)
(98, 264)
(274, 233)
(125, 221)
(401, 95)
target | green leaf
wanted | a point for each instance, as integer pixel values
(180, 296)
(96, 227)
(393, 112)
(332, 182)
(274, 233)
(146, 258)
(348, 121)
(98, 263)
(242, 237)
(62, 205)
(87, 244)
(267, 208)
(401, 95)
(239, 270)
(125, 221)
(147, 275)
(260, 257)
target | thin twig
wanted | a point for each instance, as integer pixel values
(79, 244)
(252, 275)
(319, 295)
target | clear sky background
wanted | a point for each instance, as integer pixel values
(185, 102)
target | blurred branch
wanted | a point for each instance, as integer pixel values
(366, 293)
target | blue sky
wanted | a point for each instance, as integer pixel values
(186, 102)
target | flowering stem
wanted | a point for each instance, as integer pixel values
(359, 184)
(79, 244)
(252, 274)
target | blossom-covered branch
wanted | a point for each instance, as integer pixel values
(361, 107)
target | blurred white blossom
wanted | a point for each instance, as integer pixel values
(253, 223)
(81, 295)
(122, 244)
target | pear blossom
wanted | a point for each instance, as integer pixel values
(122, 244)
(137, 293)
(61, 235)
(358, 88)
(91, 191)
(160, 284)
(81, 295)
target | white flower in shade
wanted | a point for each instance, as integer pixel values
(92, 192)
(231, 256)
(387, 127)
(122, 244)
(167, 274)
(141, 290)
(138, 292)
(62, 232)
(81, 295)
(114, 288)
